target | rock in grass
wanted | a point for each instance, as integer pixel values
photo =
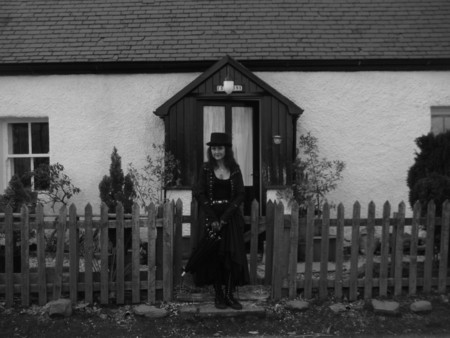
(338, 307)
(297, 305)
(150, 311)
(60, 308)
(421, 306)
(389, 308)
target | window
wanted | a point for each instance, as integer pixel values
(440, 119)
(28, 148)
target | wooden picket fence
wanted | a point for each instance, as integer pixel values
(393, 262)
(166, 256)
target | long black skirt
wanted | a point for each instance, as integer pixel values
(228, 263)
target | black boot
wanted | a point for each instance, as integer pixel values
(229, 298)
(219, 300)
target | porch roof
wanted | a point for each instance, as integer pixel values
(195, 31)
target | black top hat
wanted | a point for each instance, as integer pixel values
(219, 139)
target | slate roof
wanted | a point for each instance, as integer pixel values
(97, 31)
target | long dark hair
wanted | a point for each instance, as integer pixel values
(228, 159)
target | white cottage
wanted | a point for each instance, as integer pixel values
(81, 77)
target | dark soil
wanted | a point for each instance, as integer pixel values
(319, 320)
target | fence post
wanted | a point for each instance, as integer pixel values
(42, 280)
(324, 248)
(368, 278)
(151, 254)
(135, 263)
(120, 255)
(339, 251)
(413, 250)
(194, 224)
(443, 252)
(60, 236)
(429, 251)
(384, 264)
(269, 241)
(104, 241)
(168, 252)
(309, 249)
(354, 252)
(74, 239)
(88, 254)
(293, 251)
(9, 257)
(254, 241)
(25, 257)
(399, 250)
(178, 242)
(277, 250)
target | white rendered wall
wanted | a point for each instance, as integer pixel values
(369, 120)
(89, 115)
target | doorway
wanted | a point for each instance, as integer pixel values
(240, 119)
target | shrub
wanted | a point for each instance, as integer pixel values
(16, 195)
(429, 176)
(314, 177)
(117, 187)
(160, 172)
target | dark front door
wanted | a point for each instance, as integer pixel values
(241, 121)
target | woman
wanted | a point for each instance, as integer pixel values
(220, 192)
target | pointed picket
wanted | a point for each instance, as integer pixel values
(104, 255)
(309, 249)
(353, 283)
(324, 250)
(40, 238)
(384, 264)
(443, 253)
(429, 250)
(338, 283)
(135, 254)
(277, 251)
(168, 252)
(74, 257)
(398, 268)
(254, 231)
(270, 214)
(120, 254)
(88, 255)
(178, 243)
(151, 254)
(60, 237)
(417, 210)
(25, 255)
(9, 257)
(293, 251)
(368, 278)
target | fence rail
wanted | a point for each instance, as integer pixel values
(85, 237)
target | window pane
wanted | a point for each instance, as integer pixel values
(41, 179)
(446, 123)
(20, 138)
(39, 138)
(21, 168)
(213, 121)
(437, 125)
(242, 130)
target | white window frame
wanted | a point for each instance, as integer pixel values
(6, 155)
(443, 113)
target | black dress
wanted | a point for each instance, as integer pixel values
(228, 264)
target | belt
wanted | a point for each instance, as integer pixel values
(219, 202)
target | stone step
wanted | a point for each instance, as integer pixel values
(209, 310)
